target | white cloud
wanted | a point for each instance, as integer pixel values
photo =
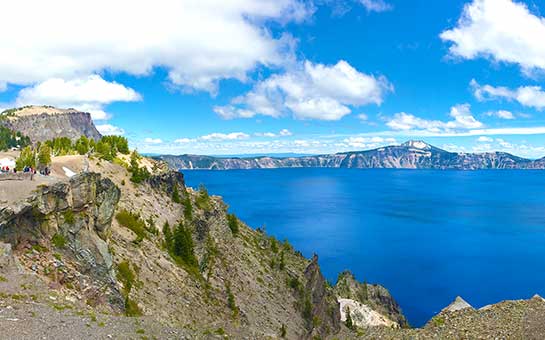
(530, 96)
(376, 5)
(285, 132)
(198, 42)
(363, 117)
(502, 30)
(503, 114)
(153, 140)
(484, 139)
(88, 94)
(281, 133)
(463, 120)
(108, 129)
(368, 142)
(224, 136)
(311, 91)
(184, 140)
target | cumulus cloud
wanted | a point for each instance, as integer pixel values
(502, 30)
(216, 136)
(88, 94)
(184, 140)
(376, 5)
(463, 120)
(530, 96)
(368, 142)
(503, 114)
(311, 91)
(149, 140)
(281, 133)
(108, 129)
(198, 42)
(484, 139)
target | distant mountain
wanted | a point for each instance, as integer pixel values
(42, 123)
(409, 155)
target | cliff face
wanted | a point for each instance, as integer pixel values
(374, 296)
(42, 123)
(410, 155)
(243, 283)
(75, 217)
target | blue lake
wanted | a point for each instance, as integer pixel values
(426, 235)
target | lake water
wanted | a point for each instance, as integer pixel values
(426, 235)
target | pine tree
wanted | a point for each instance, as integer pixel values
(348, 321)
(183, 245)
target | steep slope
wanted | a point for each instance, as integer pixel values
(243, 283)
(42, 123)
(409, 155)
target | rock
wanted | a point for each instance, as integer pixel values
(325, 308)
(363, 315)
(457, 304)
(80, 211)
(375, 296)
(42, 123)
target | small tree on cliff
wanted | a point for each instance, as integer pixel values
(348, 321)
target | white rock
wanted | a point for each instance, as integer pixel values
(363, 315)
(457, 304)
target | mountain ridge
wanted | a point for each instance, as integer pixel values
(413, 154)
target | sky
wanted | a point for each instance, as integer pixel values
(285, 76)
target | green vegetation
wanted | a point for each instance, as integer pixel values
(283, 331)
(133, 222)
(182, 247)
(58, 240)
(167, 234)
(231, 300)
(203, 199)
(69, 217)
(11, 139)
(128, 278)
(232, 222)
(438, 320)
(138, 174)
(176, 195)
(26, 158)
(188, 208)
(349, 324)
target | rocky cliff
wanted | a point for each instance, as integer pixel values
(42, 123)
(409, 155)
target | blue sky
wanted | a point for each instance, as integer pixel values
(288, 75)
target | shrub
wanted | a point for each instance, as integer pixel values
(58, 240)
(69, 217)
(26, 158)
(131, 308)
(232, 222)
(203, 199)
(133, 222)
(283, 331)
(138, 174)
(176, 195)
(126, 276)
(231, 300)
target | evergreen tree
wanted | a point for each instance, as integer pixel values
(44, 155)
(26, 158)
(183, 245)
(348, 321)
(167, 233)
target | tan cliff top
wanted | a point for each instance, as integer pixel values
(33, 110)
